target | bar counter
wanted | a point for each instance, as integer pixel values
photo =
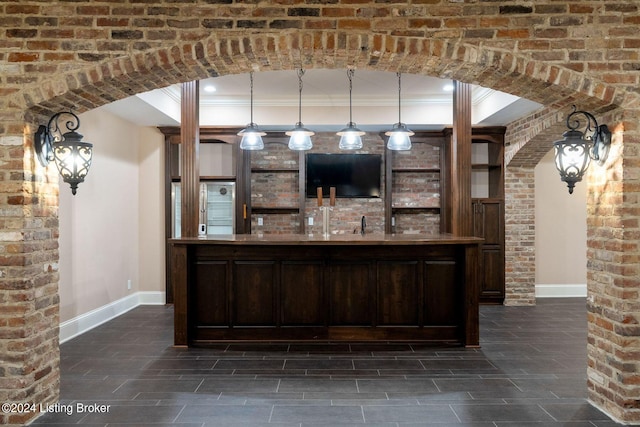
(346, 287)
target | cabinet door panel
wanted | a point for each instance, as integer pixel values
(303, 299)
(253, 293)
(210, 294)
(493, 221)
(442, 293)
(493, 272)
(350, 294)
(398, 291)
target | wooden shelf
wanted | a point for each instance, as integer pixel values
(274, 170)
(485, 166)
(217, 178)
(416, 209)
(432, 170)
(208, 178)
(274, 210)
(487, 199)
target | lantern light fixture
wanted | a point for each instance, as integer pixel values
(251, 135)
(399, 135)
(299, 136)
(71, 155)
(576, 150)
(350, 137)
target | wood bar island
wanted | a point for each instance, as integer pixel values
(314, 288)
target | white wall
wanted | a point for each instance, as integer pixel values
(561, 229)
(112, 230)
(151, 210)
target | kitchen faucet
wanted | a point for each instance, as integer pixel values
(363, 225)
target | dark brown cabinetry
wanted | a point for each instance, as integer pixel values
(488, 210)
(172, 174)
(488, 221)
(417, 197)
(389, 288)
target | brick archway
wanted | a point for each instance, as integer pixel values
(551, 85)
(90, 87)
(489, 53)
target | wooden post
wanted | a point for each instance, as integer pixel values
(459, 162)
(190, 158)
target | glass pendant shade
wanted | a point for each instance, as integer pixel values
(572, 157)
(300, 137)
(350, 137)
(399, 137)
(251, 137)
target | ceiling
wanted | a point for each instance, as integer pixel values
(426, 102)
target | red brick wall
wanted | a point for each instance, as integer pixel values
(613, 276)
(86, 54)
(279, 189)
(29, 353)
(520, 233)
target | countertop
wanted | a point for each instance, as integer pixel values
(333, 239)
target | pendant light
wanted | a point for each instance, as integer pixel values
(299, 136)
(350, 137)
(399, 135)
(251, 135)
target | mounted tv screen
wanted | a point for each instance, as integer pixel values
(353, 175)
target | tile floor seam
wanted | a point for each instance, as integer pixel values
(547, 412)
(175, 419)
(455, 413)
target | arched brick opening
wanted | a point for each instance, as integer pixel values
(108, 81)
(111, 79)
(550, 85)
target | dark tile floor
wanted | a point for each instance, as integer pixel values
(530, 371)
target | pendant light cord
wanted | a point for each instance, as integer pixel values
(251, 86)
(350, 73)
(399, 89)
(300, 74)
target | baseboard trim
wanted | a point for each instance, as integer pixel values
(561, 291)
(79, 325)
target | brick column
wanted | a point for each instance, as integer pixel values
(29, 348)
(613, 276)
(520, 234)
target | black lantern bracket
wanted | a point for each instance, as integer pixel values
(58, 141)
(599, 135)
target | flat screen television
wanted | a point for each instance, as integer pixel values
(353, 175)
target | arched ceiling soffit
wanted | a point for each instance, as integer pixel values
(86, 88)
(536, 143)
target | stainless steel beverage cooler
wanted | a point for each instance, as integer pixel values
(217, 203)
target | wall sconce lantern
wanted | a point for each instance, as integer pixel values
(71, 155)
(574, 153)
